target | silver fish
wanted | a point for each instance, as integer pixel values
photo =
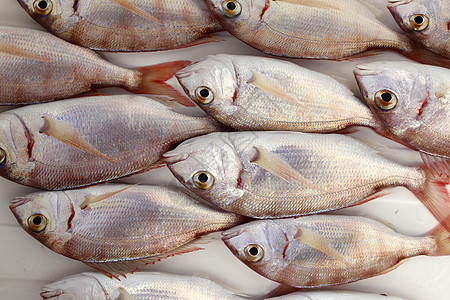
(78, 142)
(413, 102)
(320, 29)
(324, 250)
(126, 25)
(117, 228)
(426, 21)
(281, 174)
(256, 93)
(39, 67)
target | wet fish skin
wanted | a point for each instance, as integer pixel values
(124, 134)
(421, 116)
(39, 67)
(145, 286)
(341, 249)
(435, 36)
(109, 25)
(282, 174)
(256, 93)
(124, 223)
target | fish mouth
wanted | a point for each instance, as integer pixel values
(18, 201)
(172, 158)
(395, 3)
(48, 293)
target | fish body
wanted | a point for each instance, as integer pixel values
(139, 286)
(426, 21)
(256, 93)
(77, 142)
(108, 224)
(281, 174)
(418, 110)
(324, 250)
(324, 29)
(125, 25)
(39, 67)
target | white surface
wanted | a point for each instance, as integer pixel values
(26, 265)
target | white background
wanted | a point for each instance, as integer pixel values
(26, 265)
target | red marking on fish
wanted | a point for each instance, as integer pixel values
(72, 215)
(29, 137)
(240, 184)
(448, 26)
(75, 6)
(419, 114)
(266, 7)
(287, 244)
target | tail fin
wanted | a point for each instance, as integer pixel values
(435, 197)
(442, 237)
(154, 77)
(421, 54)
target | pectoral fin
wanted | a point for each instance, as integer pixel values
(63, 132)
(138, 11)
(271, 86)
(89, 200)
(444, 94)
(278, 167)
(318, 242)
(124, 295)
(11, 49)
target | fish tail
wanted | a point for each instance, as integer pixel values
(154, 77)
(421, 54)
(442, 236)
(434, 195)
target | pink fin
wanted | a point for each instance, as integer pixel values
(281, 290)
(89, 200)
(204, 40)
(121, 268)
(438, 165)
(154, 77)
(11, 49)
(442, 237)
(64, 132)
(377, 194)
(136, 10)
(271, 86)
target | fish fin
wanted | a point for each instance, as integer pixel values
(64, 132)
(421, 54)
(121, 268)
(11, 49)
(434, 195)
(444, 94)
(377, 194)
(203, 40)
(278, 167)
(154, 77)
(442, 237)
(392, 268)
(437, 165)
(271, 86)
(92, 93)
(89, 200)
(124, 295)
(138, 11)
(316, 241)
(281, 290)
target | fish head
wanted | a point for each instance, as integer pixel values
(235, 15)
(46, 216)
(395, 91)
(14, 147)
(258, 244)
(209, 166)
(211, 83)
(81, 286)
(53, 15)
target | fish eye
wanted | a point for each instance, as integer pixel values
(37, 222)
(203, 180)
(204, 95)
(418, 22)
(2, 157)
(254, 253)
(386, 100)
(231, 8)
(43, 7)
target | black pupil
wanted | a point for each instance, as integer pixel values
(418, 20)
(43, 4)
(37, 220)
(387, 97)
(253, 251)
(204, 93)
(231, 5)
(203, 178)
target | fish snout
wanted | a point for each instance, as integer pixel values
(48, 293)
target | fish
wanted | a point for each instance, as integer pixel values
(119, 228)
(78, 142)
(126, 25)
(425, 21)
(413, 101)
(324, 29)
(39, 67)
(284, 174)
(326, 250)
(156, 285)
(257, 93)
